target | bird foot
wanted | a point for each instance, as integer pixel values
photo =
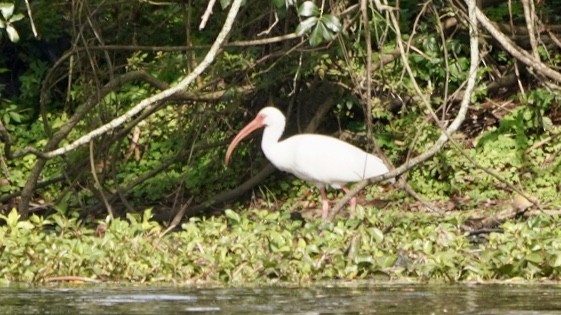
(353, 204)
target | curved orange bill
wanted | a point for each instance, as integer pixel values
(251, 127)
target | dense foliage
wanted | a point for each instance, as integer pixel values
(262, 246)
(77, 77)
(91, 62)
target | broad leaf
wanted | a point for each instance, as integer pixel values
(378, 235)
(224, 3)
(557, 262)
(233, 216)
(7, 9)
(547, 123)
(536, 258)
(280, 4)
(11, 219)
(306, 25)
(331, 22)
(308, 8)
(16, 17)
(26, 225)
(316, 36)
(15, 117)
(319, 34)
(12, 34)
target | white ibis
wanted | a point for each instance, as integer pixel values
(319, 159)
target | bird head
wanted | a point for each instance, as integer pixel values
(268, 116)
(271, 116)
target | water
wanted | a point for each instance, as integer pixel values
(365, 298)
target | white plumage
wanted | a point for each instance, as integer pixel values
(316, 158)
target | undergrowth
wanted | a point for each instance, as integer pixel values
(259, 246)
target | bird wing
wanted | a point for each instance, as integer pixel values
(327, 160)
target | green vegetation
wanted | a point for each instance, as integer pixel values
(259, 246)
(92, 62)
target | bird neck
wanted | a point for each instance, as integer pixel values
(270, 141)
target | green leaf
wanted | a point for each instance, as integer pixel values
(12, 34)
(225, 3)
(557, 262)
(378, 235)
(319, 34)
(16, 17)
(232, 216)
(7, 10)
(306, 25)
(272, 216)
(388, 261)
(547, 123)
(12, 218)
(331, 22)
(26, 225)
(308, 8)
(536, 258)
(364, 259)
(15, 117)
(427, 247)
(147, 215)
(277, 238)
(280, 4)
(315, 36)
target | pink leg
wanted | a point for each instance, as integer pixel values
(353, 199)
(325, 202)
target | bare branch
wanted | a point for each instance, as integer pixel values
(368, 97)
(97, 184)
(529, 15)
(33, 28)
(515, 50)
(554, 39)
(6, 139)
(178, 217)
(240, 43)
(268, 30)
(207, 14)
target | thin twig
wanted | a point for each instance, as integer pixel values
(207, 14)
(368, 42)
(178, 217)
(98, 184)
(268, 30)
(29, 13)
